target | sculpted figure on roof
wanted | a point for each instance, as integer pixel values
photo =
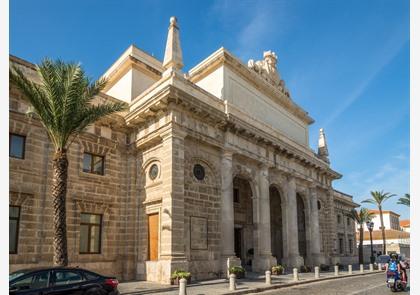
(267, 68)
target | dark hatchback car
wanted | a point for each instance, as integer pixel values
(61, 280)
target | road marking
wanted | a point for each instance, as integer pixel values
(364, 291)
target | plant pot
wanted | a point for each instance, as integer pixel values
(176, 281)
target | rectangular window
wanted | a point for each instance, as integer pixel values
(93, 164)
(351, 246)
(16, 146)
(348, 221)
(236, 195)
(341, 246)
(14, 215)
(90, 233)
(338, 219)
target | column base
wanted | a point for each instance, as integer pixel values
(263, 263)
(228, 261)
(294, 261)
(317, 259)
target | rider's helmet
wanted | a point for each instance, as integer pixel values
(394, 256)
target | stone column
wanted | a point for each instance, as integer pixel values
(227, 214)
(315, 234)
(264, 260)
(172, 239)
(293, 259)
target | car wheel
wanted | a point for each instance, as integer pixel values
(95, 291)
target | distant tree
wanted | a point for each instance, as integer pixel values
(405, 200)
(378, 198)
(361, 218)
(62, 101)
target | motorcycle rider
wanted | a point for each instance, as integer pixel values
(403, 267)
(393, 264)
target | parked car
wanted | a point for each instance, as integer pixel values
(383, 260)
(61, 280)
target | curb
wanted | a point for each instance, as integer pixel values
(279, 286)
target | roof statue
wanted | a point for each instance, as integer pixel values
(173, 53)
(267, 68)
(322, 146)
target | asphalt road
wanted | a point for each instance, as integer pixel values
(362, 285)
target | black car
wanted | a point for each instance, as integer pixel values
(61, 280)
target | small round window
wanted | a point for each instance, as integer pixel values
(199, 172)
(153, 171)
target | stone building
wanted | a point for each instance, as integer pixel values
(208, 168)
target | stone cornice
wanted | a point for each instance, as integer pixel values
(224, 57)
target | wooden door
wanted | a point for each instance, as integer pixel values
(153, 236)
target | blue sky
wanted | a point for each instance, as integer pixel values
(345, 62)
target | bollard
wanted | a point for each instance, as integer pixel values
(379, 266)
(336, 270)
(232, 282)
(268, 277)
(295, 274)
(361, 268)
(350, 269)
(316, 272)
(371, 267)
(182, 286)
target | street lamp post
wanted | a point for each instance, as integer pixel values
(370, 225)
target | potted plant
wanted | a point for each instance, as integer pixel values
(239, 271)
(277, 270)
(180, 274)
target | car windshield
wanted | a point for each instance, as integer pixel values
(16, 274)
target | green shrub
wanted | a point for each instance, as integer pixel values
(237, 270)
(277, 270)
(324, 267)
(180, 274)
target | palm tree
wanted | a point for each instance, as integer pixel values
(405, 200)
(361, 218)
(63, 102)
(378, 198)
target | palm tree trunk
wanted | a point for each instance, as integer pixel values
(361, 244)
(383, 230)
(59, 190)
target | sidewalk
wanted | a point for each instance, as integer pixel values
(252, 284)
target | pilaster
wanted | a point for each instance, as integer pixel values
(315, 234)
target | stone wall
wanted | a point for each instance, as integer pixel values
(30, 188)
(202, 210)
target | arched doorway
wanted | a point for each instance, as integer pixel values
(301, 221)
(276, 224)
(243, 220)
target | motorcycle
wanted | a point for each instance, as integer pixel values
(394, 281)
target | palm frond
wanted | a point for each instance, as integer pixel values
(63, 99)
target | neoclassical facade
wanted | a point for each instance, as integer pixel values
(207, 168)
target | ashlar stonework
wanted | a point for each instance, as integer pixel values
(207, 169)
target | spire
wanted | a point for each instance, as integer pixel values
(173, 54)
(322, 146)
